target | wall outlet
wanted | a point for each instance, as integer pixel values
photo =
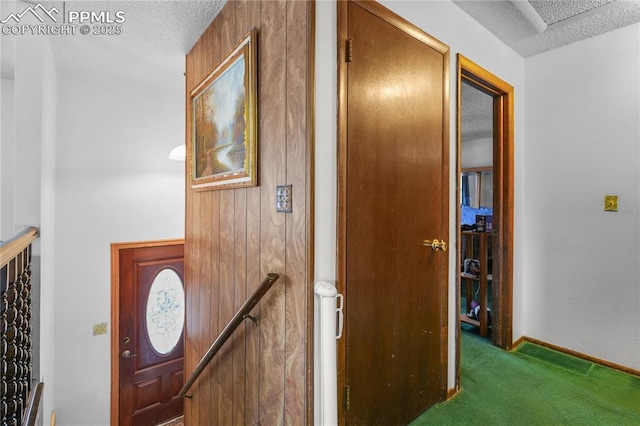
(100, 328)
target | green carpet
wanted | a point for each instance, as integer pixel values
(533, 385)
(558, 359)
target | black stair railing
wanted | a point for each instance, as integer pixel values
(241, 315)
(16, 329)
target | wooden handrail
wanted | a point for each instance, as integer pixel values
(10, 248)
(240, 316)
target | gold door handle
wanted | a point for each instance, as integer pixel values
(435, 245)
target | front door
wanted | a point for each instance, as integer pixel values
(395, 197)
(150, 346)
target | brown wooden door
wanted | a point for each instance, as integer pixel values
(151, 337)
(396, 197)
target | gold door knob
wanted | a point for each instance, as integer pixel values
(435, 245)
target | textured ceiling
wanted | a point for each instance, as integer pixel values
(476, 114)
(553, 12)
(533, 27)
(156, 36)
(156, 30)
(158, 33)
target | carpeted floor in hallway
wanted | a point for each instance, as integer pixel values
(533, 385)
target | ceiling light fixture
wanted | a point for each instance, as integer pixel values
(179, 153)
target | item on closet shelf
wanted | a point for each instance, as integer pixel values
(472, 267)
(484, 223)
(468, 214)
(475, 312)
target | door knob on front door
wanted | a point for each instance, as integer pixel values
(127, 354)
(435, 245)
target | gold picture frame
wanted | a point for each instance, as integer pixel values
(224, 132)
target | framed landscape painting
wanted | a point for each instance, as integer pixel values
(223, 152)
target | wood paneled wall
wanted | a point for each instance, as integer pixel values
(234, 237)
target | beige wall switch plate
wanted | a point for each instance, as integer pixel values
(611, 203)
(100, 329)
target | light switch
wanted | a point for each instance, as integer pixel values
(283, 198)
(100, 329)
(611, 203)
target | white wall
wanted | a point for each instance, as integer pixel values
(28, 139)
(448, 23)
(7, 160)
(85, 160)
(477, 153)
(581, 276)
(28, 133)
(47, 228)
(114, 183)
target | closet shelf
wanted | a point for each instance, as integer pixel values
(464, 318)
(475, 277)
(480, 252)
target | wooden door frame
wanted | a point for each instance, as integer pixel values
(116, 248)
(503, 164)
(409, 28)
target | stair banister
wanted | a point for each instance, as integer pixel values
(240, 316)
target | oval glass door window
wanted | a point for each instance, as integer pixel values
(165, 311)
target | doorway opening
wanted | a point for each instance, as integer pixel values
(485, 205)
(147, 332)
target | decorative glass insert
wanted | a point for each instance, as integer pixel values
(165, 311)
